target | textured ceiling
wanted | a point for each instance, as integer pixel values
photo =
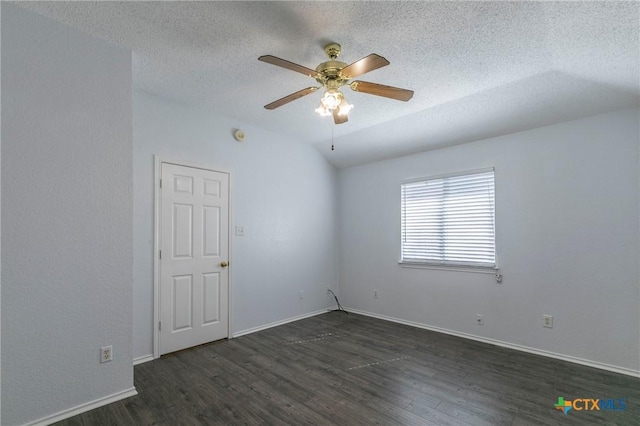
(478, 69)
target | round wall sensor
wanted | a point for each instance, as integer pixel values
(239, 135)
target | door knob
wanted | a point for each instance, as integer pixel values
(224, 263)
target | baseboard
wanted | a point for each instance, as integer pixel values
(142, 359)
(147, 358)
(277, 323)
(563, 357)
(83, 408)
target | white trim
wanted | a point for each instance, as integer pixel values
(447, 175)
(83, 408)
(142, 359)
(157, 175)
(472, 269)
(230, 255)
(277, 323)
(562, 357)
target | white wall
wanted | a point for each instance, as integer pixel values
(66, 217)
(567, 219)
(283, 193)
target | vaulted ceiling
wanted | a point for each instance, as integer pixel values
(478, 69)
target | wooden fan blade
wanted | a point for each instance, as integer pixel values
(288, 65)
(291, 97)
(364, 65)
(382, 90)
(339, 119)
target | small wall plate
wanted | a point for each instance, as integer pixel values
(238, 135)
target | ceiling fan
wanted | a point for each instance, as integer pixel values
(334, 74)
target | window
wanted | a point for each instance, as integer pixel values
(450, 220)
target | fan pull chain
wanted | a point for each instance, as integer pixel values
(332, 137)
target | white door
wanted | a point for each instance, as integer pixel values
(194, 243)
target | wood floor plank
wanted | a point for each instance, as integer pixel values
(347, 369)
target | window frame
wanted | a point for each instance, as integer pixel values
(464, 267)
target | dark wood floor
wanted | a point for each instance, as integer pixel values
(353, 370)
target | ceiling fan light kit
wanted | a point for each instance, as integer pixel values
(323, 111)
(332, 98)
(334, 74)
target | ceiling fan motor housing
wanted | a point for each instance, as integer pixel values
(329, 74)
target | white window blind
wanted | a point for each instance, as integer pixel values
(450, 220)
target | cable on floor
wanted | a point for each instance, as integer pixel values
(340, 308)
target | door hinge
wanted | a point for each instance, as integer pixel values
(160, 254)
(159, 325)
(160, 183)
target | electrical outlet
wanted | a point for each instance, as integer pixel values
(547, 321)
(329, 291)
(375, 294)
(301, 295)
(480, 319)
(106, 354)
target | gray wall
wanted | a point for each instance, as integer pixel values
(567, 224)
(282, 191)
(66, 217)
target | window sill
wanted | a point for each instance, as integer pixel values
(472, 269)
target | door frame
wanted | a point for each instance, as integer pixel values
(157, 204)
